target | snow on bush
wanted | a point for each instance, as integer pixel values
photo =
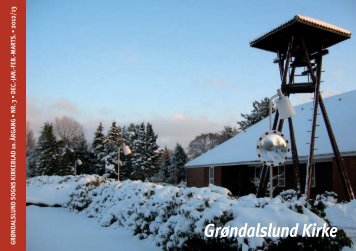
(169, 213)
(56, 190)
(342, 215)
(174, 216)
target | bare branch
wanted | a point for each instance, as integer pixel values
(67, 129)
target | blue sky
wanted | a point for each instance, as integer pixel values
(184, 66)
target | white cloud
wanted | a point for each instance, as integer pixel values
(178, 128)
(38, 111)
(181, 128)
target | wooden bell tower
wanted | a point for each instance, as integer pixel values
(300, 45)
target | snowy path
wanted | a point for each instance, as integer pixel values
(56, 229)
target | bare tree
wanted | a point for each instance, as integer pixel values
(227, 133)
(67, 129)
(206, 141)
(202, 143)
(30, 138)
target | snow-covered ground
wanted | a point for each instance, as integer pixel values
(343, 216)
(53, 190)
(164, 215)
(57, 229)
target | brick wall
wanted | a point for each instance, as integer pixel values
(198, 177)
(338, 186)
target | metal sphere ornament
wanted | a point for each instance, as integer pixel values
(273, 148)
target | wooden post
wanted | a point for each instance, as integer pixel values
(315, 116)
(293, 141)
(310, 68)
(294, 156)
(280, 64)
(298, 35)
(275, 120)
(264, 173)
(280, 125)
(286, 65)
(339, 162)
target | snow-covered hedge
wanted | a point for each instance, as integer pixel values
(170, 214)
(174, 216)
(57, 190)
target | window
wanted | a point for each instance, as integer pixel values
(281, 176)
(211, 175)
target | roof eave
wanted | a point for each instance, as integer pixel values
(307, 21)
(255, 162)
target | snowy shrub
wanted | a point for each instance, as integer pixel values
(327, 197)
(172, 215)
(81, 197)
(175, 217)
(309, 243)
(294, 201)
(319, 204)
(197, 243)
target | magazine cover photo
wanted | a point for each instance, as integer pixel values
(178, 125)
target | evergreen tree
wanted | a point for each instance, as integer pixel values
(260, 111)
(66, 164)
(98, 150)
(151, 152)
(177, 172)
(145, 153)
(75, 156)
(47, 153)
(112, 141)
(83, 154)
(31, 160)
(128, 137)
(138, 159)
(165, 165)
(58, 157)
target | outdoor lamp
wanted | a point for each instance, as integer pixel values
(284, 106)
(127, 151)
(272, 147)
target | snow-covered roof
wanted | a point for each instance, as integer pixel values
(241, 149)
(312, 30)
